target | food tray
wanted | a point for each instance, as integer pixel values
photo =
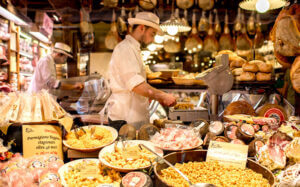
(200, 155)
(112, 130)
(110, 148)
(188, 115)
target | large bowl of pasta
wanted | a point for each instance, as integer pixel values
(128, 156)
(88, 172)
(89, 141)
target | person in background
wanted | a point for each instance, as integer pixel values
(130, 96)
(44, 76)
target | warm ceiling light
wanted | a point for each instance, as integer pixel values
(158, 39)
(262, 5)
(12, 17)
(151, 47)
(173, 26)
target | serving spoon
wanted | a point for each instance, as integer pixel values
(177, 170)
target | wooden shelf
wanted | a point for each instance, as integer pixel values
(28, 74)
(26, 55)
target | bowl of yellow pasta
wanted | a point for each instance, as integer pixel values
(88, 172)
(128, 156)
(88, 140)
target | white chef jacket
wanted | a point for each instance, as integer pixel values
(44, 76)
(126, 71)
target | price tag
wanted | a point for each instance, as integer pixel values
(228, 154)
(42, 139)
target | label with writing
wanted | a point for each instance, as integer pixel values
(42, 139)
(275, 113)
(228, 154)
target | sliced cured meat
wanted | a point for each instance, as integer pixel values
(272, 157)
(245, 132)
(230, 132)
(137, 179)
(254, 147)
(256, 127)
(216, 127)
(280, 139)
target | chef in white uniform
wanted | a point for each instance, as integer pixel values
(130, 96)
(44, 76)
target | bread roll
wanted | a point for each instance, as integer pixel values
(236, 61)
(246, 76)
(262, 66)
(239, 107)
(237, 71)
(295, 74)
(263, 76)
(154, 75)
(247, 67)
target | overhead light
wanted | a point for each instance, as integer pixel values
(174, 24)
(151, 47)
(55, 17)
(12, 17)
(158, 39)
(40, 36)
(262, 5)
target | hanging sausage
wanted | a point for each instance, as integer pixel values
(251, 24)
(243, 42)
(210, 42)
(193, 44)
(184, 4)
(203, 25)
(148, 4)
(218, 28)
(226, 42)
(121, 23)
(112, 38)
(259, 37)
(206, 4)
(237, 25)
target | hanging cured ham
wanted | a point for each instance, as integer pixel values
(259, 37)
(226, 42)
(251, 24)
(121, 23)
(194, 43)
(206, 4)
(237, 25)
(217, 27)
(112, 38)
(129, 30)
(243, 42)
(184, 4)
(148, 4)
(210, 42)
(110, 3)
(203, 25)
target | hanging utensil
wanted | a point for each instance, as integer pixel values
(184, 4)
(194, 43)
(218, 28)
(210, 43)
(176, 169)
(226, 42)
(243, 42)
(251, 24)
(184, 20)
(206, 4)
(259, 37)
(203, 25)
(121, 23)
(148, 4)
(112, 38)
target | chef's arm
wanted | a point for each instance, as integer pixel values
(146, 90)
(66, 86)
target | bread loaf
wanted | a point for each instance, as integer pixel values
(247, 67)
(246, 76)
(265, 68)
(237, 71)
(263, 76)
(236, 61)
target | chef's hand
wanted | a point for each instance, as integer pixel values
(168, 100)
(78, 86)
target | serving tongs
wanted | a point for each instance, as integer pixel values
(76, 129)
(177, 170)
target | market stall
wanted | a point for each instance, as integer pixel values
(233, 124)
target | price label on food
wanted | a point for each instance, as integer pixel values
(228, 154)
(42, 139)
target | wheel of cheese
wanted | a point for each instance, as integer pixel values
(239, 107)
(295, 74)
(137, 179)
(272, 111)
